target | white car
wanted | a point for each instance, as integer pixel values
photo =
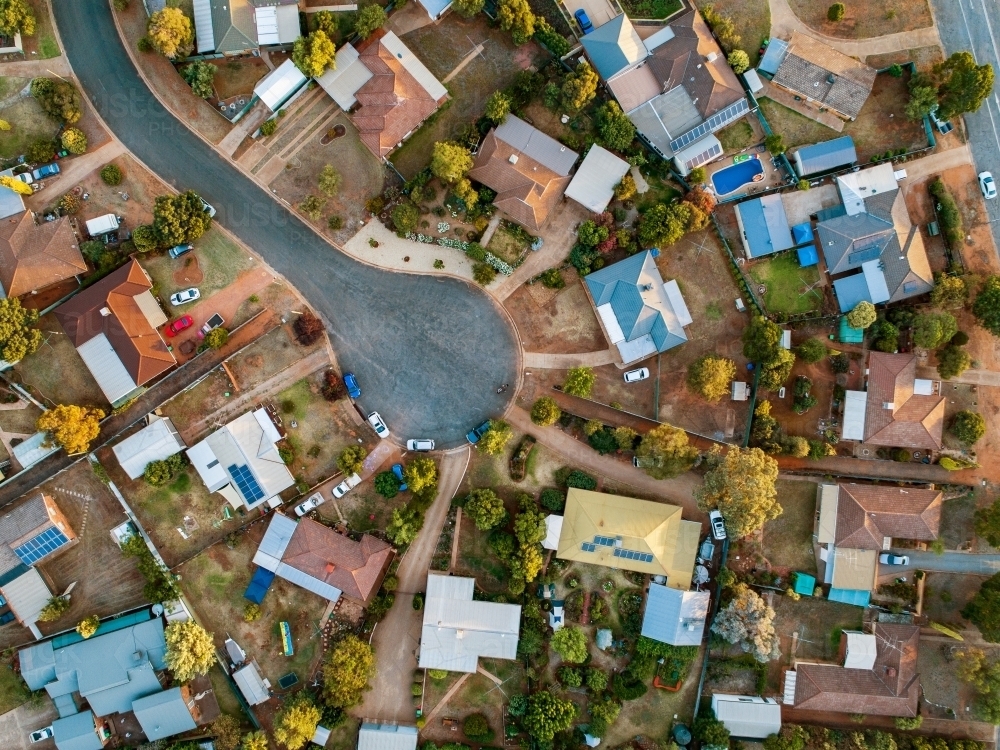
(40, 734)
(344, 487)
(420, 444)
(634, 376)
(718, 525)
(185, 296)
(314, 501)
(25, 177)
(378, 424)
(987, 185)
(887, 558)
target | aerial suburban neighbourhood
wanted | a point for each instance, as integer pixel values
(489, 374)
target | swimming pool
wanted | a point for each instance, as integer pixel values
(736, 176)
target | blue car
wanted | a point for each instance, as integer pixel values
(47, 171)
(397, 469)
(473, 435)
(351, 383)
(581, 18)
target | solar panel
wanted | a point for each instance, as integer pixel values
(588, 547)
(246, 483)
(910, 286)
(705, 156)
(38, 547)
(865, 254)
(713, 123)
(604, 541)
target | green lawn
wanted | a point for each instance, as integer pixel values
(221, 260)
(659, 192)
(13, 691)
(736, 137)
(795, 129)
(27, 120)
(786, 283)
(506, 245)
(788, 538)
(657, 9)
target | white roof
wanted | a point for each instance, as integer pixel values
(458, 630)
(374, 736)
(154, 442)
(661, 37)
(413, 65)
(923, 387)
(753, 80)
(610, 320)
(106, 367)
(27, 595)
(829, 498)
(593, 185)
(861, 650)
(640, 348)
(278, 85)
(207, 466)
(786, 339)
(266, 18)
(203, 26)
(275, 542)
(251, 684)
(855, 408)
(288, 24)
(748, 717)
(740, 391)
(102, 225)
(10, 202)
(553, 528)
(673, 292)
(675, 617)
(343, 81)
(878, 290)
(33, 450)
(856, 186)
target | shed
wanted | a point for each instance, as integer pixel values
(102, 225)
(553, 528)
(825, 157)
(320, 736)
(808, 256)
(753, 81)
(593, 185)
(805, 584)
(254, 687)
(773, 56)
(741, 391)
(155, 442)
(857, 597)
(675, 617)
(280, 85)
(27, 595)
(376, 736)
(848, 335)
(747, 717)
(763, 226)
(855, 411)
(163, 714)
(803, 233)
(786, 339)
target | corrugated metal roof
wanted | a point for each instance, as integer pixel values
(857, 597)
(279, 533)
(854, 568)
(27, 595)
(855, 410)
(209, 468)
(154, 442)
(435, 8)
(11, 203)
(826, 156)
(553, 528)
(279, 85)
(373, 736)
(614, 46)
(593, 185)
(251, 684)
(343, 81)
(450, 587)
(288, 24)
(434, 88)
(76, 732)
(306, 581)
(675, 617)
(203, 26)
(266, 19)
(33, 450)
(827, 495)
(765, 226)
(106, 367)
(851, 290)
(163, 714)
(773, 56)
(747, 717)
(533, 142)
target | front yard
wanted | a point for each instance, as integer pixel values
(214, 264)
(863, 19)
(752, 19)
(28, 123)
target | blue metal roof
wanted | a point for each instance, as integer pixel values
(850, 291)
(808, 256)
(850, 596)
(765, 225)
(435, 8)
(805, 584)
(76, 732)
(163, 714)
(823, 157)
(614, 46)
(773, 56)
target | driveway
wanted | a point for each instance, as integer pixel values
(16, 725)
(429, 352)
(949, 562)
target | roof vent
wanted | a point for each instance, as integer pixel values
(513, 159)
(699, 66)
(459, 634)
(399, 55)
(647, 287)
(330, 567)
(816, 85)
(137, 656)
(105, 312)
(888, 405)
(830, 78)
(710, 57)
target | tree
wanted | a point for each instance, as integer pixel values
(485, 509)
(199, 76)
(748, 622)
(615, 129)
(738, 60)
(516, 17)
(580, 86)
(773, 374)
(571, 644)
(296, 723)
(475, 726)
(40, 150)
(180, 218)
(722, 26)
(626, 189)
(625, 437)
(450, 162)
(71, 427)
(314, 54)
(405, 217)
(329, 181)
(602, 715)
(17, 337)
(348, 668)
(58, 99)
(190, 650)
(953, 361)
(387, 484)
(16, 185)
(421, 474)
(923, 98)
(88, 626)
(591, 234)
(596, 680)
(404, 526)
(884, 335)
(74, 141)
(495, 439)
(835, 12)
(112, 175)
(984, 609)
(811, 351)
(370, 18)
(761, 340)
(170, 32)
(252, 612)
(545, 411)
(775, 144)
(227, 732)
(497, 107)
(268, 127)
(579, 381)
(862, 316)
(710, 376)
(962, 85)
(351, 459)
(742, 488)
(54, 608)
(950, 292)
(16, 17)
(661, 225)
(468, 8)
(308, 328)
(545, 34)
(968, 426)
(932, 330)
(216, 338)
(664, 452)
(710, 731)
(546, 715)
(255, 741)
(986, 308)
(312, 205)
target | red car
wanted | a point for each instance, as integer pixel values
(179, 325)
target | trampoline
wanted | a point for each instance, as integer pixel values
(734, 177)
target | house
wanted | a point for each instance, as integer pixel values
(873, 251)
(238, 27)
(821, 76)
(458, 630)
(593, 185)
(640, 314)
(35, 256)
(828, 156)
(436, 8)
(280, 86)
(899, 409)
(622, 532)
(674, 616)
(747, 717)
(877, 676)
(78, 732)
(377, 736)
(241, 462)
(255, 688)
(156, 441)
(385, 88)
(163, 714)
(528, 170)
(113, 326)
(320, 560)
(763, 226)
(675, 85)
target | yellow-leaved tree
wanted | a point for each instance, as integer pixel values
(71, 427)
(15, 184)
(346, 673)
(190, 650)
(170, 32)
(741, 487)
(296, 724)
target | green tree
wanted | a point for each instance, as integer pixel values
(370, 18)
(296, 722)
(741, 487)
(476, 726)
(216, 338)
(546, 715)
(346, 672)
(986, 308)
(738, 60)
(311, 205)
(884, 335)
(54, 608)
(615, 129)
(775, 144)
(58, 99)
(664, 452)
(984, 609)
(190, 650)
(923, 98)
(255, 741)
(950, 292)
(421, 474)
(625, 437)
(710, 376)
(862, 316)
(968, 426)
(811, 351)
(579, 381)
(773, 374)
(74, 141)
(227, 732)
(761, 340)
(580, 86)
(661, 225)
(835, 12)
(405, 217)
(485, 509)
(710, 731)
(16, 17)
(88, 626)
(545, 411)
(404, 526)
(483, 273)
(602, 715)
(962, 85)
(18, 338)
(351, 459)
(314, 54)
(170, 32)
(386, 484)
(953, 361)
(571, 644)
(987, 523)
(932, 330)
(545, 34)
(71, 427)
(516, 17)
(597, 680)
(199, 76)
(497, 107)
(450, 162)
(112, 175)
(180, 218)
(468, 8)
(495, 439)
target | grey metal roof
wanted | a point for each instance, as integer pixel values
(614, 47)
(203, 26)
(234, 651)
(306, 581)
(675, 617)
(826, 156)
(746, 716)
(665, 117)
(10, 202)
(773, 57)
(373, 736)
(849, 241)
(251, 684)
(155, 442)
(140, 682)
(76, 732)
(593, 185)
(765, 225)
(233, 25)
(163, 714)
(27, 595)
(275, 542)
(534, 143)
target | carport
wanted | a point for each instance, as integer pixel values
(598, 11)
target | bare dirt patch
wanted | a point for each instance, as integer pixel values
(235, 77)
(863, 20)
(56, 374)
(189, 272)
(788, 538)
(752, 19)
(565, 323)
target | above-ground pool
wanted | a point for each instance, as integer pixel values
(736, 176)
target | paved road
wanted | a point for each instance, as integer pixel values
(975, 25)
(429, 353)
(948, 562)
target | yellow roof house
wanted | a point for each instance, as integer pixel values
(622, 532)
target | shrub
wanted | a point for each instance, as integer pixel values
(416, 689)
(580, 480)
(552, 279)
(569, 677)
(333, 386)
(405, 216)
(579, 381)
(948, 214)
(738, 60)
(775, 144)
(968, 426)
(54, 608)
(335, 222)
(308, 328)
(483, 273)
(217, 338)
(437, 674)
(268, 127)
(351, 459)
(836, 12)
(41, 150)
(69, 204)
(251, 612)
(953, 361)
(476, 725)
(553, 500)
(112, 175)
(811, 351)
(144, 238)
(603, 441)
(545, 411)
(802, 185)
(88, 626)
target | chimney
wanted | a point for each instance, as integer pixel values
(105, 312)
(513, 159)
(330, 567)
(888, 405)
(710, 57)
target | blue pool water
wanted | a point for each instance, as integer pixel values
(732, 178)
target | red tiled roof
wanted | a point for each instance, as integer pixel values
(912, 421)
(137, 344)
(868, 513)
(34, 256)
(356, 568)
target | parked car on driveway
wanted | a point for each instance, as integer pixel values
(351, 383)
(25, 177)
(178, 250)
(397, 469)
(378, 424)
(211, 324)
(348, 484)
(420, 444)
(185, 296)
(315, 500)
(40, 734)
(634, 376)
(185, 321)
(49, 170)
(987, 185)
(475, 433)
(718, 525)
(887, 558)
(581, 18)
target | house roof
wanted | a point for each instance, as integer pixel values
(867, 514)
(896, 415)
(890, 688)
(163, 714)
(748, 717)
(374, 736)
(853, 569)
(818, 71)
(233, 25)
(400, 94)
(250, 682)
(593, 185)
(76, 732)
(528, 170)
(27, 595)
(23, 522)
(278, 85)
(457, 630)
(614, 46)
(765, 225)
(343, 80)
(33, 256)
(121, 308)
(657, 541)
(154, 442)
(825, 156)
(675, 617)
(773, 56)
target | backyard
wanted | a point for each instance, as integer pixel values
(789, 287)
(556, 320)
(28, 123)
(752, 19)
(863, 19)
(788, 541)
(655, 9)
(235, 77)
(819, 623)
(55, 374)
(737, 136)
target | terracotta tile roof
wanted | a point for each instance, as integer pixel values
(890, 688)
(866, 514)
(33, 256)
(823, 74)
(356, 568)
(128, 330)
(911, 421)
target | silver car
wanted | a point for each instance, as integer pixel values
(185, 296)
(315, 500)
(420, 444)
(887, 558)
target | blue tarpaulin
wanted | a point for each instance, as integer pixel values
(259, 585)
(802, 233)
(856, 597)
(808, 256)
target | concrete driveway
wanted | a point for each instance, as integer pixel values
(598, 11)
(16, 725)
(429, 353)
(949, 562)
